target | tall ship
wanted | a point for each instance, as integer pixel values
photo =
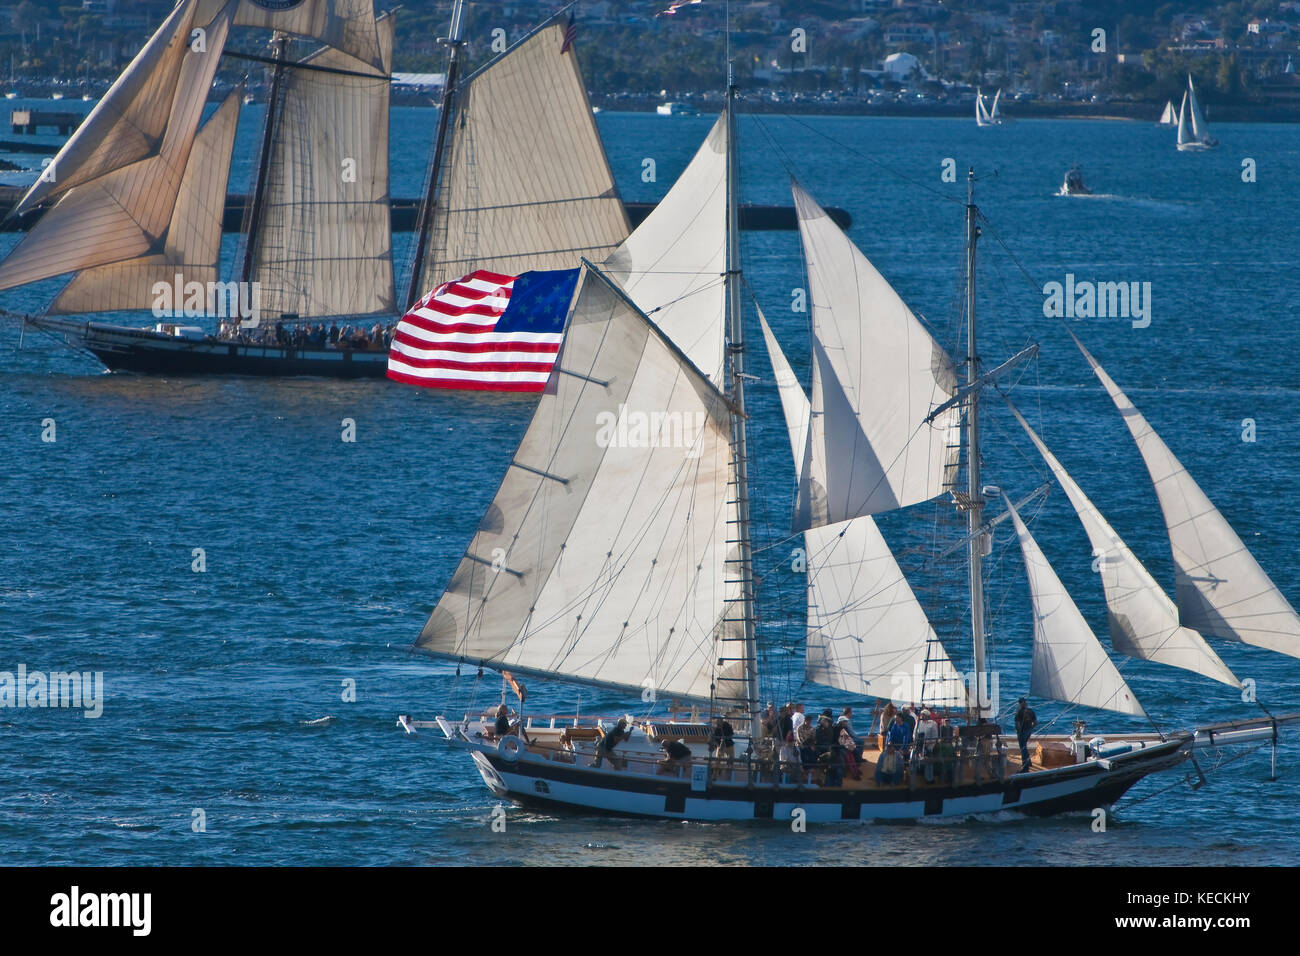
(617, 552)
(133, 209)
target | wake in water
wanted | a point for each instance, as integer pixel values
(318, 722)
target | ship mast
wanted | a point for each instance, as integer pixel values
(264, 161)
(975, 501)
(454, 42)
(736, 355)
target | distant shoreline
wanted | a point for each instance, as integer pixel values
(1111, 112)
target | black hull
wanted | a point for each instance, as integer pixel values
(148, 352)
(242, 360)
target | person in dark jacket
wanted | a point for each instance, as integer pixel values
(1026, 721)
(677, 754)
(605, 749)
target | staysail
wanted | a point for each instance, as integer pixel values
(1221, 590)
(192, 245)
(867, 633)
(673, 264)
(1143, 621)
(604, 555)
(877, 375)
(1069, 662)
(324, 245)
(526, 184)
(109, 212)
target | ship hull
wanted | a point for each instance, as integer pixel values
(531, 781)
(142, 351)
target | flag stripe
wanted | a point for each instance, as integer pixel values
(485, 330)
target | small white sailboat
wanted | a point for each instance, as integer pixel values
(1193, 134)
(1170, 116)
(986, 115)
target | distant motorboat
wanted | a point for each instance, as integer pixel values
(56, 96)
(11, 95)
(676, 109)
(1074, 185)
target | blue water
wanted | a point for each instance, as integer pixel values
(224, 689)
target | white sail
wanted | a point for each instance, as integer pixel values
(122, 213)
(981, 111)
(1143, 621)
(1184, 134)
(526, 185)
(324, 246)
(673, 264)
(1220, 590)
(867, 633)
(994, 115)
(1069, 662)
(604, 555)
(129, 122)
(192, 246)
(1200, 132)
(1169, 117)
(877, 374)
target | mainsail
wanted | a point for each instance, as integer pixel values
(109, 211)
(604, 556)
(1069, 662)
(323, 244)
(1143, 621)
(1184, 134)
(867, 633)
(1220, 588)
(877, 375)
(192, 245)
(672, 266)
(526, 184)
(1200, 132)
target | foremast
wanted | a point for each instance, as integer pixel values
(735, 378)
(977, 535)
(281, 43)
(454, 43)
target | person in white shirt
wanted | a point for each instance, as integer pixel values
(927, 732)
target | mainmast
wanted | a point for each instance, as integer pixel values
(975, 499)
(736, 356)
(454, 42)
(281, 42)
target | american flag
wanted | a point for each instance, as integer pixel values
(570, 34)
(484, 331)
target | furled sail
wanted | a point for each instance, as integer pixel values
(324, 244)
(1069, 662)
(877, 374)
(867, 633)
(192, 246)
(526, 184)
(673, 264)
(1220, 588)
(604, 555)
(124, 212)
(1143, 621)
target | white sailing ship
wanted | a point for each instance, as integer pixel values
(1193, 134)
(1170, 116)
(622, 557)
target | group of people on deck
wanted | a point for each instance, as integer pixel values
(305, 336)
